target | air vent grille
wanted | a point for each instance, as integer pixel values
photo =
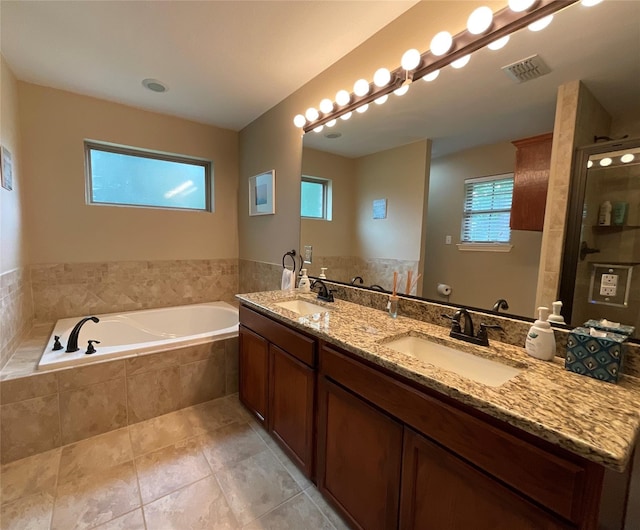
(526, 69)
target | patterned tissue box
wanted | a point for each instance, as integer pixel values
(604, 325)
(597, 357)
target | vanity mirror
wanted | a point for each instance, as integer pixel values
(413, 154)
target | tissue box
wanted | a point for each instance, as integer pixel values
(597, 357)
(605, 325)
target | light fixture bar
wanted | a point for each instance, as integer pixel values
(505, 22)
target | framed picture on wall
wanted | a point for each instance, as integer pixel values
(262, 193)
(6, 168)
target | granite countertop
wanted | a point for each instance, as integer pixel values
(599, 421)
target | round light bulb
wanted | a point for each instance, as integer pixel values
(625, 159)
(462, 62)
(382, 77)
(498, 44)
(539, 25)
(299, 120)
(441, 43)
(343, 98)
(381, 99)
(362, 109)
(312, 114)
(605, 162)
(402, 90)
(326, 106)
(520, 5)
(410, 59)
(432, 76)
(361, 87)
(318, 128)
(480, 20)
(330, 123)
(589, 164)
(589, 3)
(346, 116)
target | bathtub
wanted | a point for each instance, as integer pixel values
(142, 332)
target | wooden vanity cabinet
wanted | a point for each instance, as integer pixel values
(459, 467)
(278, 381)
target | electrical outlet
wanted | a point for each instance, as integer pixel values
(447, 240)
(609, 285)
(608, 290)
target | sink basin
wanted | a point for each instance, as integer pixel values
(302, 307)
(479, 369)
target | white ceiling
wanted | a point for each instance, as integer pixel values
(480, 105)
(225, 62)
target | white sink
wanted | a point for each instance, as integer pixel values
(479, 369)
(302, 307)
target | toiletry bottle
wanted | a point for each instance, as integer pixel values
(604, 215)
(304, 285)
(556, 316)
(392, 306)
(540, 342)
(323, 273)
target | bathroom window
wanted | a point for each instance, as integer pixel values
(127, 176)
(487, 209)
(315, 198)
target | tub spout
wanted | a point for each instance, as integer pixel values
(72, 345)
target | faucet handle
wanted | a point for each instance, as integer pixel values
(91, 348)
(455, 322)
(483, 335)
(56, 343)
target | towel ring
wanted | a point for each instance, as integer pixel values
(291, 254)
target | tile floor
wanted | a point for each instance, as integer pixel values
(210, 466)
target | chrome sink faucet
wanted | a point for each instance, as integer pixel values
(72, 345)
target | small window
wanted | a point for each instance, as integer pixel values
(315, 198)
(131, 177)
(487, 209)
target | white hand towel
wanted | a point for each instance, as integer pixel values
(288, 280)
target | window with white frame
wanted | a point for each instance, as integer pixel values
(125, 176)
(315, 198)
(487, 209)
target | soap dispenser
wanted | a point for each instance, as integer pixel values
(540, 342)
(304, 285)
(556, 316)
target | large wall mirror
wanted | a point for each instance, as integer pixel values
(396, 174)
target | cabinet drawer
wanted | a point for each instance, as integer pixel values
(553, 481)
(300, 346)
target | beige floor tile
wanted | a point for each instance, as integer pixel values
(28, 513)
(200, 506)
(170, 468)
(35, 474)
(256, 485)
(293, 470)
(129, 521)
(96, 498)
(95, 454)
(233, 401)
(295, 514)
(160, 432)
(230, 444)
(317, 498)
(212, 415)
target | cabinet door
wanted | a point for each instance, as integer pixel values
(359, 452)
(291, 400)
(253, 372)
(442, 492)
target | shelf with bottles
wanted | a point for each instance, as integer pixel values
(609, 229)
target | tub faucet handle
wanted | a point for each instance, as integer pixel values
(91, 348)
(56, 343)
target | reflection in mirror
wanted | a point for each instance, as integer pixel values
(417, 150)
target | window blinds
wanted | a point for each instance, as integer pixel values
(487, 209)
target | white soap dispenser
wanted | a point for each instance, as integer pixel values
(304, 285)
(556, 316)
(540, 342)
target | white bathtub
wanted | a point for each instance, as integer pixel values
(142, 332)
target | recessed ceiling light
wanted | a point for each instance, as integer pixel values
(154, 85)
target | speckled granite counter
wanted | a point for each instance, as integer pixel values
(599, 421)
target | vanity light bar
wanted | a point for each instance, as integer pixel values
(505, 22)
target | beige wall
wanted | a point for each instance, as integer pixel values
(335, 237)
(12, 248)
(477, 278)
(62, 228)
(398, 175)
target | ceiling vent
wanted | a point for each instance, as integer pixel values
(526, 69)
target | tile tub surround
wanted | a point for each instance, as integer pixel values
(260, 276)
(43, 410)
(62, 290)
(16, 310)
(596, 420)
(207, 466)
